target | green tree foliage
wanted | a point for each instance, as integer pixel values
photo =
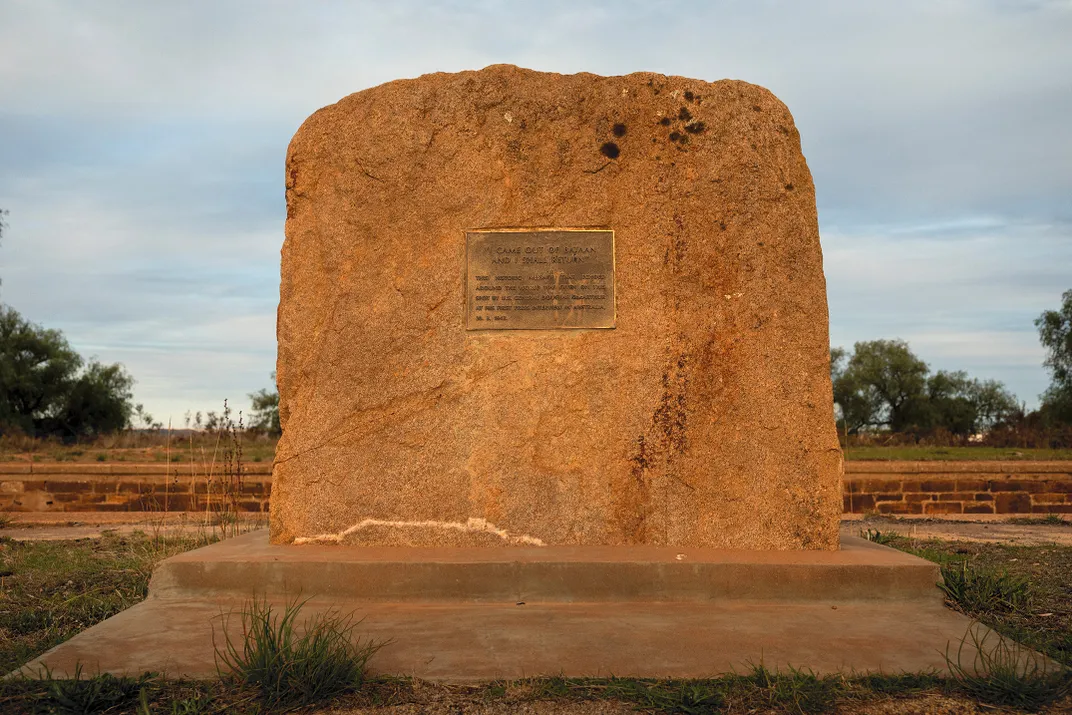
(858, 406)
(884, 385)
(45, 390)
(265, 413)
(1055, 333)
(99, 402)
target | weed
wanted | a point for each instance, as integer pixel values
(225, 518)
(879, 537)
(56, 589)
(289, 669)
(1048, 520)
(668, 696)
(801, 689)
(902, 684)
(1007, 673)
(96, 694)
(976, 590)
(197, 705)
(5, 520)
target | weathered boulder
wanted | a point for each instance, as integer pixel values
(702, 418)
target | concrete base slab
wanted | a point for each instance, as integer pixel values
(485, 616)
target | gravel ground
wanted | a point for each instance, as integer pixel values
(989, 531)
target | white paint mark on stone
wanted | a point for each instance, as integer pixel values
(473, 526)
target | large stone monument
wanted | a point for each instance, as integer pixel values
(540, 309)
(571, 332)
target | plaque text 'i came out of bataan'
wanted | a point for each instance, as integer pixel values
(548, 279)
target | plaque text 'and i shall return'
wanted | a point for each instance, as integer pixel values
(539, 279)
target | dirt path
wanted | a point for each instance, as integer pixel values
(59, 526)
(980, 531)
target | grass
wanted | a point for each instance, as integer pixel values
(1048, 520)
(1022, 592)
(292, 669)
(966, 454)
(94, 694)
(879, 537)
(1003, 672)
(984, 590)
(50, 590)
(758, 689)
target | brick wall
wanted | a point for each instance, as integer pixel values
(126, 487)
(958, 487)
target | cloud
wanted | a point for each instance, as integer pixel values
(144, 146)
(964, 294)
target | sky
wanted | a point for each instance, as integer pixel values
(142, 148)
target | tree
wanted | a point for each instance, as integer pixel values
(1055, 334)
(38, 369)
(857, 406)
(45, 391)
(99, 402)
(994, 405)
(265, 413)
(949, 404)
(966, 406)
(884, 385)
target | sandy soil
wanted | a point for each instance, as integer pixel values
(989, 531)
(60, 526)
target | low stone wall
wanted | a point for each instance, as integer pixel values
(72, 487)
(869, 487)
(958, 487)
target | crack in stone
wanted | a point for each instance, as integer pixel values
(473, 525)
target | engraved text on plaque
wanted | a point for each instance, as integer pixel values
(520, 279)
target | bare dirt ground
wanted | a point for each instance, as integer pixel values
(988, 531)
(61, 526)
(433, 699)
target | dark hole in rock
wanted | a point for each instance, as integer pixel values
(684, 114)
(619, 130)
(610, 150)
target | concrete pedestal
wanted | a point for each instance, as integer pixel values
(485, 613)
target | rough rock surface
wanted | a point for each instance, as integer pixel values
(703, 419)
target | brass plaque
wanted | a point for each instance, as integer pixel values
(547, 279)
